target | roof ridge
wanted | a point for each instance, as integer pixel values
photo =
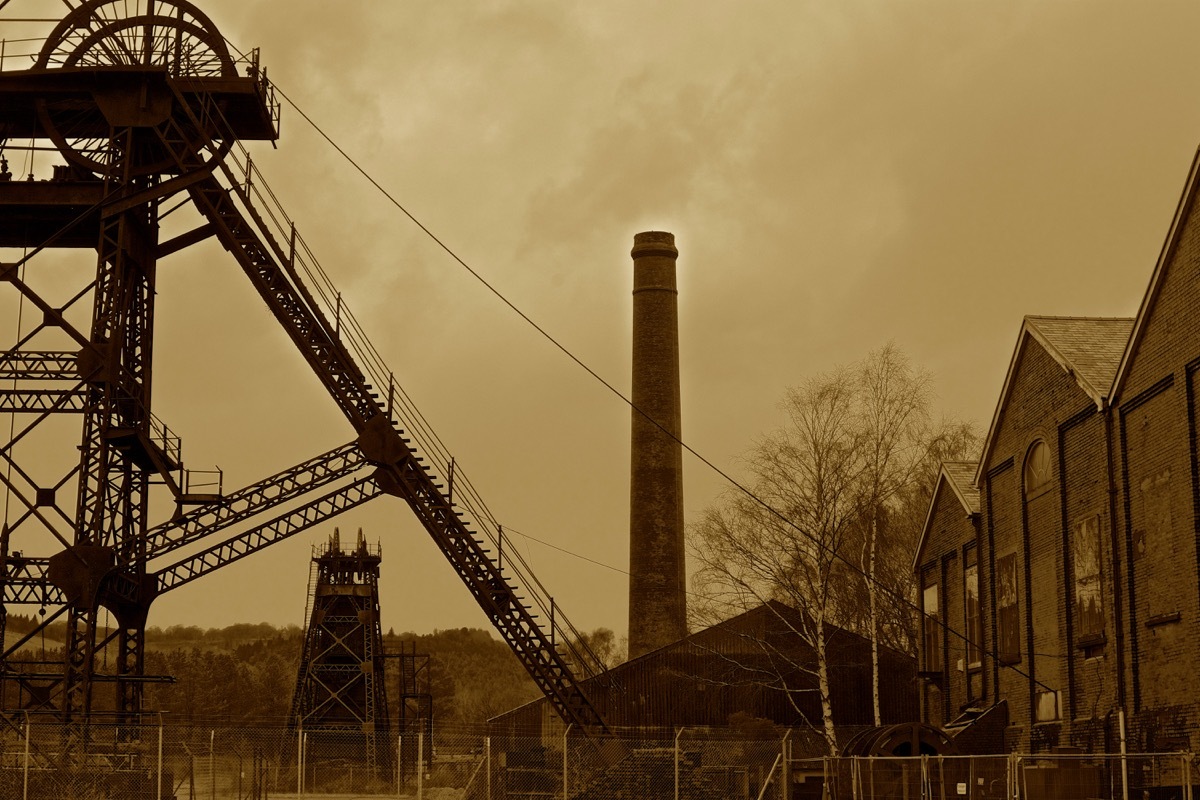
(1088, 318)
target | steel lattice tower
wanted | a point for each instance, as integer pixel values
(340, 699)
(149, 108)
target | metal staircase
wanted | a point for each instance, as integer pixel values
(350, 368)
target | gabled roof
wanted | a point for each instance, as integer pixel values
(1090, 348)
(961, 477)
(1087, 348)
(958, 476)
(1158, 278)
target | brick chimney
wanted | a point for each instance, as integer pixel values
(657, 583)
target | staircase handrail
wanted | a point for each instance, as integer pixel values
(245, 183)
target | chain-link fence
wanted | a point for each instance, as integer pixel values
(1059, 776)
(44, 760)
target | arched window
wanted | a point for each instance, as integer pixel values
(1037, 467)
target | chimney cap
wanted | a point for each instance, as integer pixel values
(654, 243)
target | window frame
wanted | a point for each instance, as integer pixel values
(1008, 615)
(932, 628)
(1037, 470)
(972, 624)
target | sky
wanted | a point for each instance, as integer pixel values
(837, 176)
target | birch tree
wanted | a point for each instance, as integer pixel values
(837, 499)
(783, 543)
(892, 416)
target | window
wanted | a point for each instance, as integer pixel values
(1048, 706)
(931, 629)
(1089, 604)
(973, 624)
(1037, 468)
(1009, 644)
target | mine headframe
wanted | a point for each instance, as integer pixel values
(149, 108)
(340, 700)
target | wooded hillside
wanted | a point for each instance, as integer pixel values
(246, 673)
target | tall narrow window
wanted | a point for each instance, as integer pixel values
(932, 628)
(972, 623)
(1009, 634)
(1089, 605)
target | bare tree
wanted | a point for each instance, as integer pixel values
(835, 505)
(892, 415)
(783, 542)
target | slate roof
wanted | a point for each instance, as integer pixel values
(1089, 347)
(962, 477)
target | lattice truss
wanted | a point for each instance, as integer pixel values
(340, 699)
(149, 107)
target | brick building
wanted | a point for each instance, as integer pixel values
(1059, 575)
(739, 667)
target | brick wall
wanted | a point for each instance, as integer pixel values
(1091, 657)
(1043, 400)
(1156, 416)
(950, 530)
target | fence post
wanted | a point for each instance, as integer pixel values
(678, 734)
(784, 769)
(566, 734)
(25, 778)
(487, 763)
(1124, 756)
(212, 765)
(299, 760)
(421, 763)
(158, 789)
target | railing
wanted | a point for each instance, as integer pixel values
(165, 439)
(211, 481)
(20, 53)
